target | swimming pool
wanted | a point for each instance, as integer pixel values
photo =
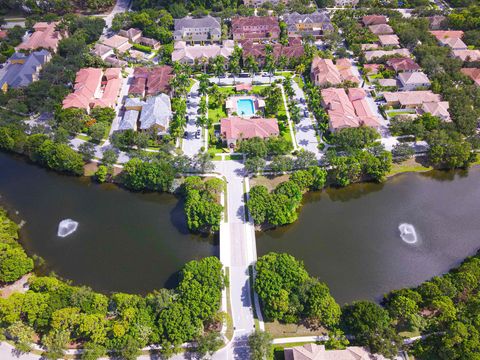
(245, 107)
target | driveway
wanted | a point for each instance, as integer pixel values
(305, 134)
(191, 145)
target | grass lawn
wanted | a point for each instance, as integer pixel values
(229, 332)
(216, 113)
(298, 79)
(257, 89)
(84, 137)
(269, 181)
(191, 84)
(279, 330)
(278, 353)
(411, 165)
(228, 90)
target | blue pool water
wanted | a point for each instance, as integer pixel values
(245, 107)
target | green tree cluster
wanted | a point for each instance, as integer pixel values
(202, 208)
(288, 293)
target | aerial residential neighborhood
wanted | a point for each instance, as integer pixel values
(244, 179)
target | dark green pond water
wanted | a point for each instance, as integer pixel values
(350, 239)
(124, 242)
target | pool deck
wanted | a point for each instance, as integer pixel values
(232, 105)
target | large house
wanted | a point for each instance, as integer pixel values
(44, 37)
(472, 73)
(318, 352)
(467, 55)
(151, 81)
(136, 36)
(368, 20)
(119, 43)
(191, 54)
(413, 80)
(255, 28)
(23, 69)
(293, 50)
(95, 88)
(153, 114)
(403, 64)
(376, 54)
(201, 30)
(236, 128)
(325, 72)
(439, 109)
(314, 24)
(410, 99)
(347, 110)
(258, 3)
(381, 29)
(388, 40)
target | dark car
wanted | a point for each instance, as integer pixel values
(305, 113)
(185, 134)
(197, 134)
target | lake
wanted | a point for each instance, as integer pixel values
(350, 237)
(125, 241)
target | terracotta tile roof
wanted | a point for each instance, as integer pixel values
(235, 128)
(442, 34)
(472, 73)
(467, 55)
(44, 36)
(439, 109)
(294, 49)
(184, 53)
(411, 98)
(118, 42)
(454, 43)
(350, 110)
(3, 34)
(413, 78)
(389, 40)
(151, 81)
(368, 20)
(318, 352)
(370, 55)
(324, 71)
(381, 29)
(131, 33)
(255, 27)
(90, 90)
(373, 68)
(436, 21)
(403, 64)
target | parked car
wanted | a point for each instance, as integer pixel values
(185, 134)
(305, 113)
(197, 134)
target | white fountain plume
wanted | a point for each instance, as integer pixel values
(408, 233)
(66, 227)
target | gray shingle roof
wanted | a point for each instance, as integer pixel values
(198, 29)
(19, 75)
(318, 17)
(129, 120)
(156, 111)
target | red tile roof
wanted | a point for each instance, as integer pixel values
(350, 110)
(472, 73)
(403, 64)
(255, 27)
(90, 91)
(294, 49)
(235, 128)
(368, 20)
(44, 37)
(151, 81)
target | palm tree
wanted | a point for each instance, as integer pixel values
(251, 65)
(204, 84)
(219, 66)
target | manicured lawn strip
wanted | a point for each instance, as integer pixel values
(83, 137)
(279, 330)
(215, 114)
(298, 79)
(408, 166)
(229, 332)
(250, 279)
